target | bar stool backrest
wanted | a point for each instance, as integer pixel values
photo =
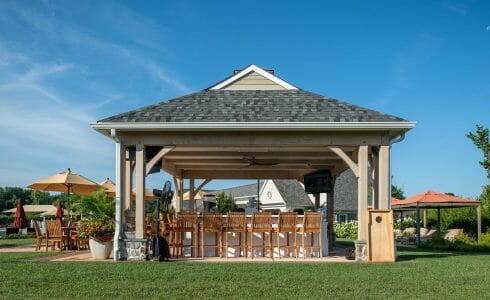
(312, 221)
(53, 228)
(288, 221)
(187, 221)
(211, 221)
(262, 221)
(236, 221)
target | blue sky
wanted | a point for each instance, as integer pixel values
(65, 64)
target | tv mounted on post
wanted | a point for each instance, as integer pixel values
(318, 182)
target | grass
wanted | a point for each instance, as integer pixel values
(15, 242)
(420, 274)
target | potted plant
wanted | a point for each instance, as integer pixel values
(100, 232)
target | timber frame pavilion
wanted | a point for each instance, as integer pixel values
(252, 115)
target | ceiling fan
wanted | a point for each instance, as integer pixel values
(253, 162)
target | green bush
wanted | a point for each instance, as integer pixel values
(346, 230)
(485, 239)
(225, 203)
(16, 236)
(406, 222)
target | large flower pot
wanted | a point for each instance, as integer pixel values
(100, 250)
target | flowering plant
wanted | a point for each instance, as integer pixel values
(101, 229)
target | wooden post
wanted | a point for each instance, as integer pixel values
(192, 204)
(375, 177)
(178, 204)
(128, 183)
(384, 178)
(120, 164)
(330, 220)
(140, 191)
(362, 202)
(425, 218)
(317, 201)
(478, 222)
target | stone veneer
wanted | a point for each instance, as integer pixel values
(134, 249)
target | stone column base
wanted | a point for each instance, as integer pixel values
(134, 249)
(361, 251)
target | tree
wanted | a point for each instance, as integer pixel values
(397, 192)
(481, 141)
(225, 203)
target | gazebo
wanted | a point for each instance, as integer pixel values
(434, 200)
(252, 125)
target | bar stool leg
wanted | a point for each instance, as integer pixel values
(303, 243)
(278, 244)
(252, 243)
(271, 253)
(245, 247)
(263, 244)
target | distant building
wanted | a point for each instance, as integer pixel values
(287, 195)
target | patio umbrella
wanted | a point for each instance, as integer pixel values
(20, 220)
(67, 182)
(109, 187)
(59, 211)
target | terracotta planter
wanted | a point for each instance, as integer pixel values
(100, 250)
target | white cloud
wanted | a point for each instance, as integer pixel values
(488, 27)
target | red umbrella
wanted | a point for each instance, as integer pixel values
(59, 211)
(20, 220)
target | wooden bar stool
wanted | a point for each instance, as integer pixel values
(211, 222)
(312, 224)
(261, 223)
(186, 222)
(171, 225)
(236, 222)
(288, 223)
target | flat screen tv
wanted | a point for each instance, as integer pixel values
(318, 182)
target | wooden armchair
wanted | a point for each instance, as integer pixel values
(40, 237)
(54, 234)
(236, 222)
(288, 224)
(261, 223)
(312, 224)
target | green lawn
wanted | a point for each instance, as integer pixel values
(15, 242)
(419, 274)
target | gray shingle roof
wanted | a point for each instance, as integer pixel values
(345, 192)
(292, 193)
(249, 190)
(252, 106)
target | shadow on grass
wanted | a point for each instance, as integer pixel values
(408, 254)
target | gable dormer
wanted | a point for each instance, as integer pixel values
(253, 78)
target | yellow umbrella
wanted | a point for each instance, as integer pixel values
(67, 182)
(148, 195)
(109, 187)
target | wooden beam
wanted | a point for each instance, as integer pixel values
(191, 195)
(244, 174)
(140, 191)
(346, 159)
(254, 138)
(384, 182)
(206, 181)
(362, 189)
(158, 157)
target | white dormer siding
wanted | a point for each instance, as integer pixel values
(270, 198)
(253, 78)
(253, 81)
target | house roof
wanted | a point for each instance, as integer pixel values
(249, 106)
(249, 190)
(292, 193)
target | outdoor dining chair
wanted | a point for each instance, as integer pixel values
(40, 237)
(287, 224)
(54, 234)
(212, 223)
(236, 222)
(261, 223)
(312, 224)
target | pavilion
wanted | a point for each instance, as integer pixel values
(252, 125)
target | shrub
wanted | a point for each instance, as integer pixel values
(463, 238)
(225, 203)
(406, 222)
(99, 229)
(16, 236)
(485, 239)
(346, 230)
